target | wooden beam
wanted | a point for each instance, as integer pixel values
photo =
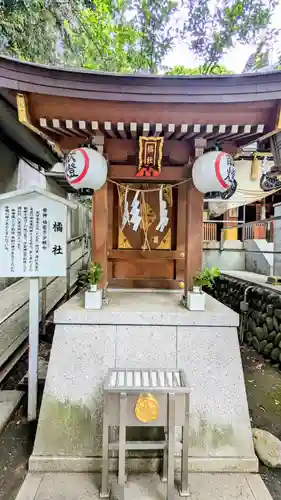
(159, 283)
(194, 130)
(100, 231)
(72, 127)
(199, 145)
(183, 130)
(158, 129)
(121, 130)
(108, 129)
(144, 255)
(167, 174)
(133, 129)
(59, 126)
(145, 129)
(44, 123)
(61, 107)
(170, 130)
(194, 234)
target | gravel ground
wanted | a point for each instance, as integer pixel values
(16, 446)
(16, 441)
(263, 385)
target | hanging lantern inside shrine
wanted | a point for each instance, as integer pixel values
(85, 168)
(214, 172)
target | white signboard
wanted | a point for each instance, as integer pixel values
(32, 236)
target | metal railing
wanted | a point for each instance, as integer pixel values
(211, 228)
(258, 230)
(255, 230)
(210, 231)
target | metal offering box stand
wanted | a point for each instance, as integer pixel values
(134, 398)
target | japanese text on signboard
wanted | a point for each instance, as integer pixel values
(34, 239)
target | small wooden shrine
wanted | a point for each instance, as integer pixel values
(150, 129)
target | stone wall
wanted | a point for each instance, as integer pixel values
(231, 258)
(263, 320)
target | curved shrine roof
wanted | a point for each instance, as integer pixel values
(68, 82)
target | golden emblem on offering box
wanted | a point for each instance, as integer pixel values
(150, 156)
(146, 408)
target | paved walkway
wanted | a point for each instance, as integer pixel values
(77, 486)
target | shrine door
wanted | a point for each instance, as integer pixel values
(133, 261)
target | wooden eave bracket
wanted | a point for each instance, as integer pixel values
(24, 118)
(200, 144)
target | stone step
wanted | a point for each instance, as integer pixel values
(9, 401)
(68, 486)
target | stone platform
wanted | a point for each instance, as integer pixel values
(86, 487)
(144, 330)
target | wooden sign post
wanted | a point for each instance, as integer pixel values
(33, 244)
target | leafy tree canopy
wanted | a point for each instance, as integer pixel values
(130, 35)
(218, 69)
(213, 28)
(103, 39)
(34, 30)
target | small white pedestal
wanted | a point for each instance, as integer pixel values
(93, 300)
(196, 301)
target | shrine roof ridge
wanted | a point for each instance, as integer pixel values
(40, 191)
(82, 83)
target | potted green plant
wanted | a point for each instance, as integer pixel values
(196, 298)
(92, 277)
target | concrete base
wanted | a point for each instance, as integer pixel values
(144, 330)
(9, 400)
(86, 487)
(137, 465)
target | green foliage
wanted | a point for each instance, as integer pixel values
(152, 21)
(206, 277)
(94, 273)
(213, 28)
(124, 35)
(33, 30)
(102, 38)
(107, 35)
(85, 200)
(90, 276)
(132, 35)
(218, 69)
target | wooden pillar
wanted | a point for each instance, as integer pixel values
(181, 239)
(100, 231)
(194, 234)
(110, 203)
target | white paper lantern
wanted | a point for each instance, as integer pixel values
(214, 171)
(85, 168)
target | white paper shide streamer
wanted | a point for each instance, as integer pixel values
(164, 219)
(135, 212)
(126, 215)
